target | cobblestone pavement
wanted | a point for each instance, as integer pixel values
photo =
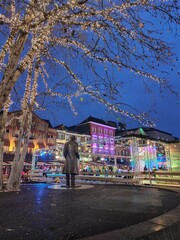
(39, 212)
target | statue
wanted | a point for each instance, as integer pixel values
(71, 155)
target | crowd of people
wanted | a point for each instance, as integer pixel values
(103, 170)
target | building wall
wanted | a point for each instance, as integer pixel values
(42, 135)
(102, 137)
(83, 141)
(160, 135)
(175, 156)
(152, 133)
(100, 142)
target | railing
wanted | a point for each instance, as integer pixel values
(141, 178)
(110, 177)
(161, 178)
(41, 176)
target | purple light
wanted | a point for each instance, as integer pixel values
(94, 146)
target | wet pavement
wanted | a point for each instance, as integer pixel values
(40, 212)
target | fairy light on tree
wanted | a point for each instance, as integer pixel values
(86, 41)
(46, 25)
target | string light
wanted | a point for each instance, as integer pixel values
(47, 25)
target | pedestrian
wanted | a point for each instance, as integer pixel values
(145, 168)
(71, 155)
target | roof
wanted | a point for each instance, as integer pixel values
(60, 127)
(147, 129)
(97, 120)
(70, 129)
(125, 135)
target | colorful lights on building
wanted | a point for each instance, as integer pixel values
(102, 136)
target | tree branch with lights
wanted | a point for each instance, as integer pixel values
(82, 46)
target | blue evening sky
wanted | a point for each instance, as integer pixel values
(163, 107)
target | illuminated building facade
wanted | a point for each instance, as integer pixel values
(42, 135)
(102, 136)
(123, 152)
(145, 148)
(63, 135)
(99, 139)
(175, 156)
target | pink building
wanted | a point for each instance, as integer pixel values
(102, 135)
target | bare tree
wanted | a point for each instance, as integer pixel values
(99, 36)
(89, 43)
(28, 104)
(2, 131)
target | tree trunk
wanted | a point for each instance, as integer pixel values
(11, 184)
(25, 128)
(12, 181)
(1, 163)
(25, 148)
(2, 132)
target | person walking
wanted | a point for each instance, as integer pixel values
(71, 155)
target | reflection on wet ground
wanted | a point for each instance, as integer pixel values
(39, 212)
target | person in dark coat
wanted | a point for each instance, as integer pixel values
(71, 155)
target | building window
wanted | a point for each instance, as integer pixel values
(111, 140)
(100, 130)
(68, 137)
(61, 136)
(111, 133)
(94, 129)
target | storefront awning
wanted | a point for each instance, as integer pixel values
(30, 145)
(50, 144)
(6, 142)
(41, 145)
